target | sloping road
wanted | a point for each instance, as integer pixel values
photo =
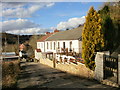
(36, 75)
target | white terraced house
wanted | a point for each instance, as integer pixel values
(62, 41)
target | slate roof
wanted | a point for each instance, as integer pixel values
(73, 34)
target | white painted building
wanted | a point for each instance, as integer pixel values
(55, 42)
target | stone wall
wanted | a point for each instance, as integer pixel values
(46, 62)
(78, 70)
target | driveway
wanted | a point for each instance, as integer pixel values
(36, 75)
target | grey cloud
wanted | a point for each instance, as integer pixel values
(29, 31)
(17, 24)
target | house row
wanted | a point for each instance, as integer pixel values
(59, 41)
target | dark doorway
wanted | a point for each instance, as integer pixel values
(64, 45)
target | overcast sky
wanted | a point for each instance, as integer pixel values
(40, 17)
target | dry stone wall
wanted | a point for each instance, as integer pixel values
(78, 70)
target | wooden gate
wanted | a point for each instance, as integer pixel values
(111, 68)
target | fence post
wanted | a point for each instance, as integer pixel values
(54, 60)
(118, 69)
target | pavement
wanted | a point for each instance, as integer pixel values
(36, 75)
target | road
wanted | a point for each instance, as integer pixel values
(36, 75)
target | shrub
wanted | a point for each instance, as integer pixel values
(92, 38)
(10, 71)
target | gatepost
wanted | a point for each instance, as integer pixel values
(99, 74)
(99, 61)
(119, 69)
(54, 60)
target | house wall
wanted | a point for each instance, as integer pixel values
(75, 45)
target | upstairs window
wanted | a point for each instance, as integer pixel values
(54, 45)
(41, 45)
(50, 45)
(58, 45)
(47, 45)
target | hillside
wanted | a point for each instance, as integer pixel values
(12, 41)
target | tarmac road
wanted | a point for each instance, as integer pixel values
(36, 75)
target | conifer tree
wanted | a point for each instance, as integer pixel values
(107, 27)
(92, 38)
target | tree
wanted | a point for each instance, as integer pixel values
(115, 16)
(107, 27)
(92, 38)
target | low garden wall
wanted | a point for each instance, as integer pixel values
(46, 62)
(78, 70)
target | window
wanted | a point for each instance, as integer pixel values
(54, 45)
(38, 45)
(41, 45)
(58, 45)
(47, 45)
(70, 46)
(64, 45)
(51, 45)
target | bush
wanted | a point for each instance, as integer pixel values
(10, 71)
(92, 38)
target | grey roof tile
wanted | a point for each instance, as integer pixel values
(73, 34)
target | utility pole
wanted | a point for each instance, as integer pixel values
(18, 43)
(5, 43)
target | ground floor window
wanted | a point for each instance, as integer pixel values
(70, 46)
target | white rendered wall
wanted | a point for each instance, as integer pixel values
(75, 45)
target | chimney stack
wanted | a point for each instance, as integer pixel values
(47, 32)
(56, 30)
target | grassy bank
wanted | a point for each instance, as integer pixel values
(10, 71)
